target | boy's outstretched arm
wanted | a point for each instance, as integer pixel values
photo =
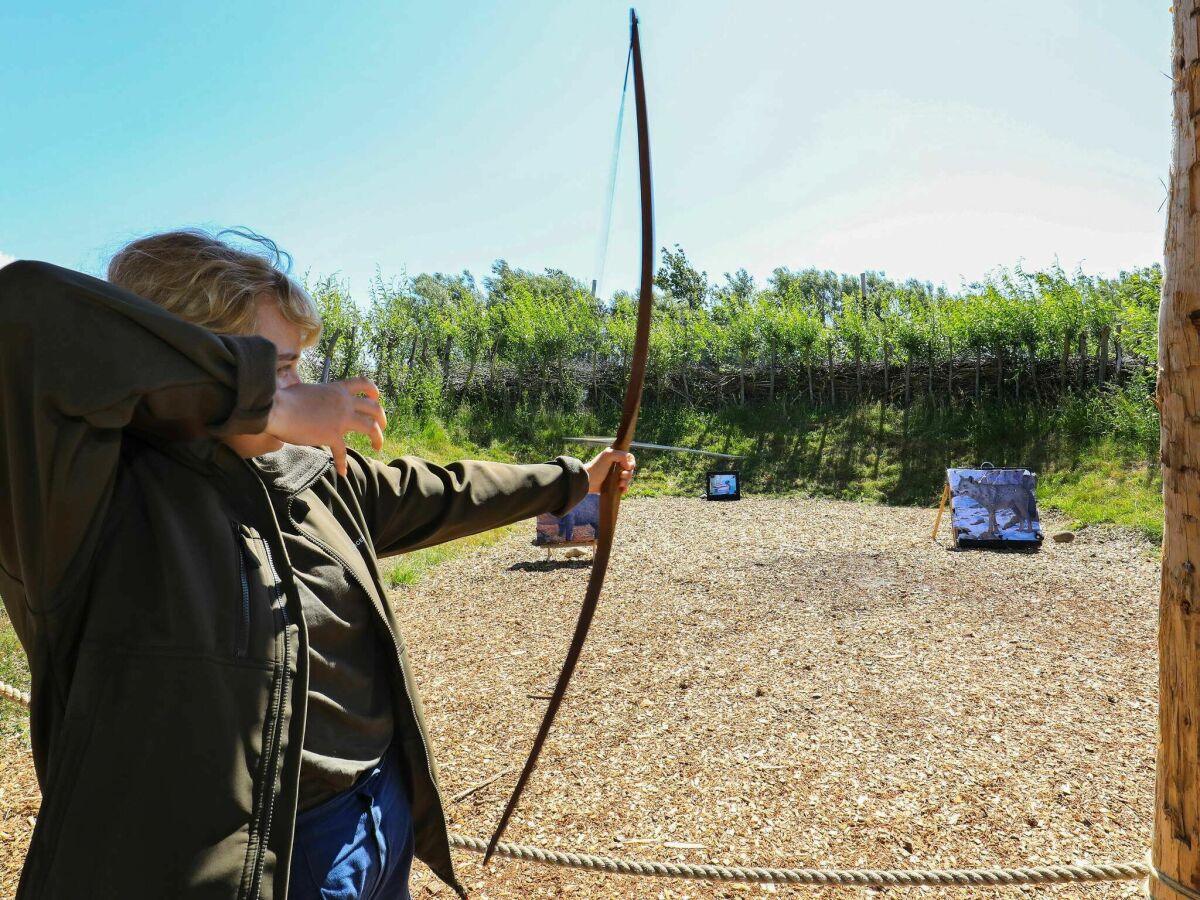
(80, 360)
(411, 503)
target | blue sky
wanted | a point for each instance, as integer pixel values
(930, 139)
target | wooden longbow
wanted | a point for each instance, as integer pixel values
(610, 493)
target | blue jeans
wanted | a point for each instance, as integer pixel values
(358, 844)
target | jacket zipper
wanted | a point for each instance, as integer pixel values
(396, 648)
(279, 701)
(243, 639)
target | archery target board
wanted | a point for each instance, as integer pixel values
(725, 485)
(994, 507)
(579, 525)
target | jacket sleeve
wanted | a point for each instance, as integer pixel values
(411, 503)
(81, 360)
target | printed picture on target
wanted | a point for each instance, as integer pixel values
(578, 526)
(994, 505)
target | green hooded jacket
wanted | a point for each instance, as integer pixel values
(143, 567)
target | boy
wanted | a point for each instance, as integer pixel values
(221, 703)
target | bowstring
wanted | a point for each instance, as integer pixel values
(606, 228)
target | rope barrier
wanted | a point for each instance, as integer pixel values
(8, 692)
(850, 877)
(757, 875)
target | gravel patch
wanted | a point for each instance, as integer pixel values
(787, 683)
(798, 683)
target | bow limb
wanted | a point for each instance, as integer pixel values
(610, 493)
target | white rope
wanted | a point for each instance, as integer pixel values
(854, 877)
(8, 692)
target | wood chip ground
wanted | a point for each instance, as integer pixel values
(785, 683)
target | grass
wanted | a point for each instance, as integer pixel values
(407, 569)
(430, 440)
(1103, 491)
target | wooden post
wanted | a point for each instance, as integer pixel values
(950, 371)
(1083, 360)
(931, 368)
(1102, 373)
(1176, 841)
(1117, 366)
(941, 508)
(1066, 356)
(832, 395)
(887, 388)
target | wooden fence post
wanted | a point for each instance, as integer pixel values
(931, 368)
(950, 371)
(1066, 357)
(1176, 842)
(1083, 360)
(832, 395)
(887, 388)
(1102, 374)
(1118, 365)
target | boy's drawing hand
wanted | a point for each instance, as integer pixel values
(317, 415)
(598, 468)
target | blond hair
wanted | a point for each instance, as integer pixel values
(207, 281)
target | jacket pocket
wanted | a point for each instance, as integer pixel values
(255, 599)
(241, 642)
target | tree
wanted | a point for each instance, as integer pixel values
(342, 321)
(681, 282)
